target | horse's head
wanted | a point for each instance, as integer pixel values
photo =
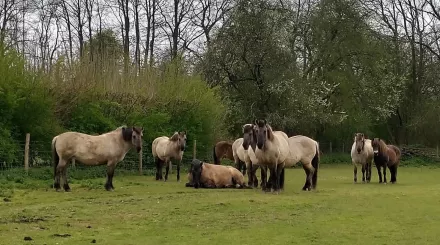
(375, 143)
(133, 135)
(180, 139)
(261, 132)
(359, 138)
(196, 171)
(248, 135)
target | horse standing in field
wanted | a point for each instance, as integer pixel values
(249, 145)
(214, 176)
(272, 151)
(239, 155)
(222, 149)
(305, 150)
(165, 149)
(109, 148)
(362, 154)
(386, 155)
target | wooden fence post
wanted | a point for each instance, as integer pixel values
(73, 162)
(26, 152)
(343, 147)
(331, 148)
(195, 149)
(140, 162)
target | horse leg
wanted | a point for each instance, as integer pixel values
(59, 171)
(263, 173)
(254, 176)
(250, 175)
(393, 171)
(385, 173)
(368, 172)
(355, 171)
(158, 162)
(167, 169)
(363, 173)
(110, 172)
(244, 167)
(278, 170)
(307, 171)
(66, 184)
(282, 179)
(379, 173)
(178, 170)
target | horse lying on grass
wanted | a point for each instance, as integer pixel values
(109, 148)
(208, 175)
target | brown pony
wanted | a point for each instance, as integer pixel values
(165, 149)
(222, 149)
(386, 155)
(109, 148)
(214, 176)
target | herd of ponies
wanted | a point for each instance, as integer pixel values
(259, 148)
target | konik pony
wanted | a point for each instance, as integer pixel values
(386, 155)
(208, 175)
(222, 149)
(362, 154)
(305, 150)
(165, 149)
(109, 148)
(272, 151)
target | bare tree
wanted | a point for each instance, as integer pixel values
(150, 8)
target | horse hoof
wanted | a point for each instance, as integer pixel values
(68, 190)
(58, 189)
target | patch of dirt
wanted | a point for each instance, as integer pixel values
(62, 235)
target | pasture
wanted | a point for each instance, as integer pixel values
(144, 211)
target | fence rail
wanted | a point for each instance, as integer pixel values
(34, 154)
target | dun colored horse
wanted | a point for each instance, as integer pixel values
(109, 148)
(305, 150)
(222, 149)
(165, 149)
(251, 161)
(362, 154)
(239, 155)
(272, 151)
(214, 176)
(386, 155)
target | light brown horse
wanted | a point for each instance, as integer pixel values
(208, 175)
(222, 149)
(109, 148)
(272, 150)
(362, 154)
(165, 149)
(386, 155)
(305, 150)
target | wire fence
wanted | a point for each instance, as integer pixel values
(37, 154)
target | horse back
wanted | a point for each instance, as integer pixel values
(301, 148)
(217, 174)
(395, 152)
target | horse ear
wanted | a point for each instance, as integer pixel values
(175, 136)
(264, 121)
(256, 121)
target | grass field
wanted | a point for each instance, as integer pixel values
(144, 211)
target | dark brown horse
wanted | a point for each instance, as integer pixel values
(386, 155)
(222, 149)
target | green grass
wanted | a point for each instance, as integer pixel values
(144, 211)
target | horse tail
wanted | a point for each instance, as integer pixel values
(55, 157)
(315, 164)
(214, 155)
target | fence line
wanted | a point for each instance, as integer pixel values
(38, 154)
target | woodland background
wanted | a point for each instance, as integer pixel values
(325, 69)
